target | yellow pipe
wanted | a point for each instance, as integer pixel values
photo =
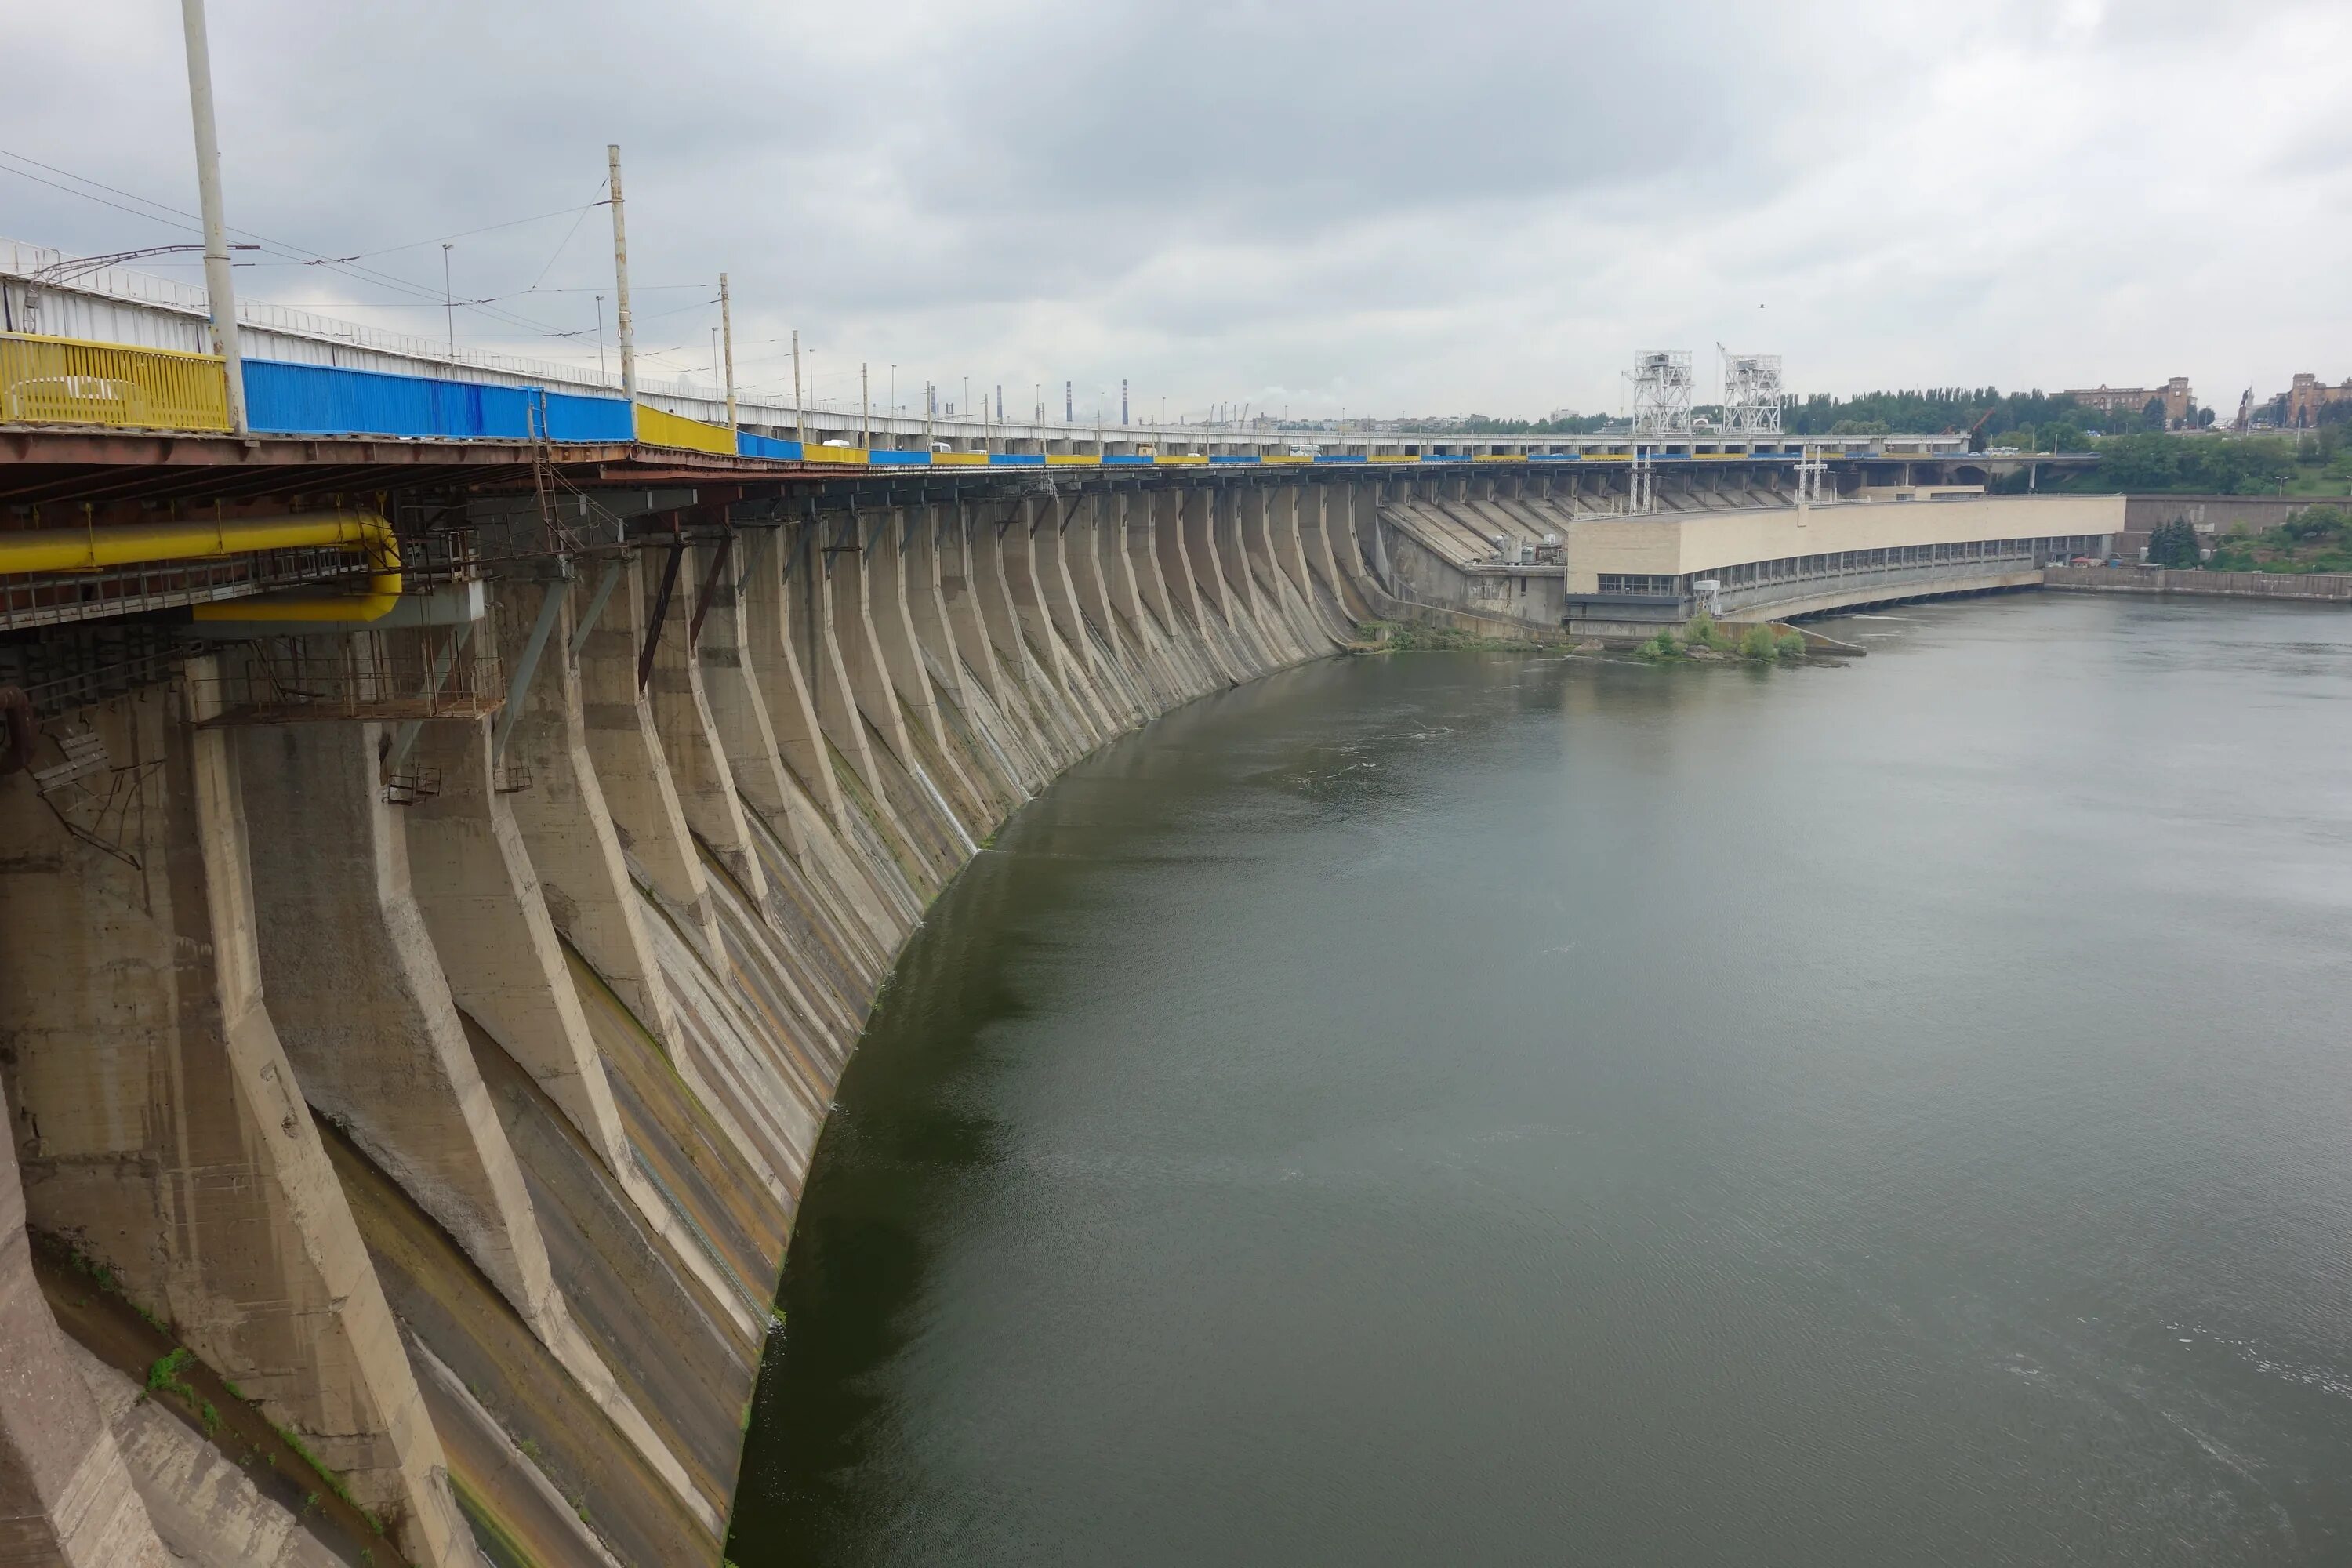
(96, 549)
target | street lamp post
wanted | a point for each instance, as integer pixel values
(219, 296)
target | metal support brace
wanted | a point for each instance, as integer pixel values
(710, 591)
(596, 602)
(404, 739)
(518, 685)
(661, 611)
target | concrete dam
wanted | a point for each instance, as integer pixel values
(446, 875)
(427, 1029)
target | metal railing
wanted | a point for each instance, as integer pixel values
(66, 381)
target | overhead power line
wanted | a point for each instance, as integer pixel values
(177, 218)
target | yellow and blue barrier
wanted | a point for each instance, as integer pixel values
(66, 381)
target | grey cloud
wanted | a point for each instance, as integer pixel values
(1486, 203)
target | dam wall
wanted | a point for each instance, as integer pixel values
(409, 1105)
(428, 999)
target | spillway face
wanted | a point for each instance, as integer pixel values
(408, 1118)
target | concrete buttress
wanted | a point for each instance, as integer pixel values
(66, 1499)
(163, 1125)
(365, 1009)
(566, 826)
(689, 736)
(626, 752)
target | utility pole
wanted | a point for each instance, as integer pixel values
(628, 322)
(865, 407)
(727, 331)
(219, 296)
(931, 408)
(448, 301)
(799, 420)
(600, 339)
(1122, 400)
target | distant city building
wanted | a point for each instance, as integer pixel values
(2180, 403)
(1558, 414)
(2308, 395)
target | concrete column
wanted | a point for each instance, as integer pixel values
(731, 686)
(1029, 688)
(369, 1023)
(1132, 569)
(1065, 557)
(783, 683)
(1320, 526)
(491, 929)
(1287, 537)
(914, 795)
(1024, 580)
(1262, 530)
(1100, 534)
(1149, 527)
(891, 617)
(1216, 557)
(989, 766)
(1359, 545)
(163, 1130)
(566, 826)
(813, 639)
(627, 754)
(357, 991)
(852, 630)
(66, 1499)
(1243, 540)
(689, 737)
(964, 645)
(959, 598)
(1184, 580)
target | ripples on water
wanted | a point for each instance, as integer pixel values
(1482, 1109)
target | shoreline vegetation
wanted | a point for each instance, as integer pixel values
(1702, 638)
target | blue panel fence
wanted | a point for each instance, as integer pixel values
(750, 445)
(285, 398)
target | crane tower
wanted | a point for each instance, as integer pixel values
(1751, 394)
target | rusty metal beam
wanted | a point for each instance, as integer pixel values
(661, 610)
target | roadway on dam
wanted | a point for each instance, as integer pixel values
(1505, 1109)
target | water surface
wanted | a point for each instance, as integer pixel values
(1488, 1108)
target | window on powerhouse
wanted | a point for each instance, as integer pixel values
(1893, 557)
(1638, 582)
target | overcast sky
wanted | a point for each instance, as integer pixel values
(1302, 206)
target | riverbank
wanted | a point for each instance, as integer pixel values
(2324, 587)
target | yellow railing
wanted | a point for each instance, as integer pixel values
(969, 459)
(818, 452)
(656, 428)
(65, 380)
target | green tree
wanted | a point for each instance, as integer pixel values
(2173, 543)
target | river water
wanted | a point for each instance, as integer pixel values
(1486, 1109)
